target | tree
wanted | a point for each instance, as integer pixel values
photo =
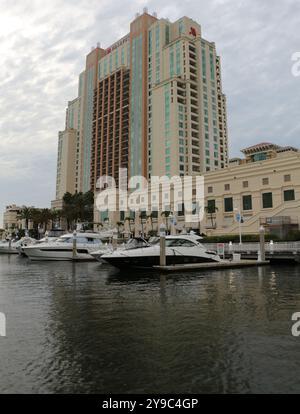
(150, 217)
(26, 214)
(78, 207)
(210, 210)
(143, 217)
(129, 222)
(166, 214)
(45, 216)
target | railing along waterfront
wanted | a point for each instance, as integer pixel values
(288, 247)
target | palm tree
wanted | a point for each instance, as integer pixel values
(26, 214)
(143, 217)
(166, 214)
(150, 217)
(46, 215)
(210, 210)
(129, 222)
(78, 207)
(56, 215)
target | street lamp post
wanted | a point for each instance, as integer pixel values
(239, 218)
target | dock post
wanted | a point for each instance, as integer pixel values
(163, 261)
(115, 239)
(262, 244)
(74, 245)
(271, 247)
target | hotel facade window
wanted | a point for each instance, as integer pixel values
(267, 200)
(228, 205)
(265, 181)
(247, 202)
(289, 195)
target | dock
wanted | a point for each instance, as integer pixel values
(226, 264)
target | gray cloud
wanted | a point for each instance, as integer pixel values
(43, 47)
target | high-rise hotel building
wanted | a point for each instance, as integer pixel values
(152, 102)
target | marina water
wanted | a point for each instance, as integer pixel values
(87, 328)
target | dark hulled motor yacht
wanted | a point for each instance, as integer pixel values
(182, 249)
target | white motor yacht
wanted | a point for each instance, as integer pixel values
(62, 248)
(182, 249)
(106, 250)
(14, 246)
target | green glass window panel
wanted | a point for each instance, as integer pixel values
(203, 62)
(247, 202)
(289, 195)
(212, 67)
(259, 157)
(267, 199)
(228, 204)
(181, 27)
(150, 43)
(167, 34)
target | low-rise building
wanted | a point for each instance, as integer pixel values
(11, 217)
(263, 188)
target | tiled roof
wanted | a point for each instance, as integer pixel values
(261, 146)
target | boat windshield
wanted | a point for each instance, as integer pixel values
(136, 244)
(179, 243)
(81, 240)
(176, 242)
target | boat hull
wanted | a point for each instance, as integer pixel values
(150, 261)
(7, 250)
(58, 255)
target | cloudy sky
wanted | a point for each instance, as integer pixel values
(43, 46)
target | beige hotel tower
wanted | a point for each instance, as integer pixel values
(152, 102)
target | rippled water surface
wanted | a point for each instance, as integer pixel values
(87, 328)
